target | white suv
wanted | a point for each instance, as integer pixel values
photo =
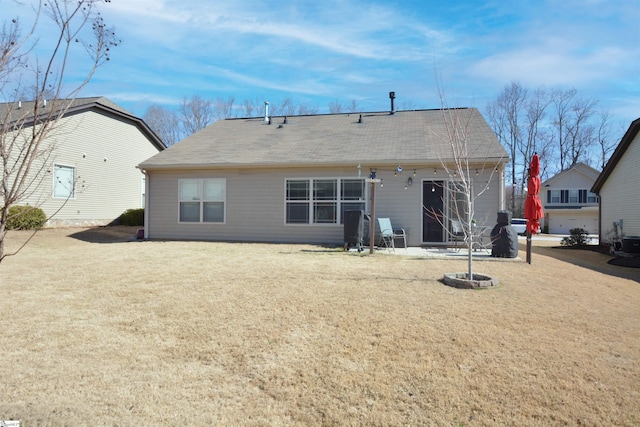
(520, 225)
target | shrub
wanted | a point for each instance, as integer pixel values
(132, 217)
(578, 237)
(25, 218)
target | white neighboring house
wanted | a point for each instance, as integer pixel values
(619, 192)
(568, 201)
(90, 176)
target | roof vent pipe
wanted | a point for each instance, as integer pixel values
(19, 105)
(266, 111)
(392, 96)
(44, 103)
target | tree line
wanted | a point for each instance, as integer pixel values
(196, 113)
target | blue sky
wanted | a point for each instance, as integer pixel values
(317, 52)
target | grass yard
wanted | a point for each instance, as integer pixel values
(96, 330)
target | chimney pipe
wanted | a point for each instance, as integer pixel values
(266, 111)
(392, 96)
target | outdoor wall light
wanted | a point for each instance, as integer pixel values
(409, 182)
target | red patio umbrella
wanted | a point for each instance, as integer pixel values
(532, 206)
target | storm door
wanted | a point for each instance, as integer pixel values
(432, 201)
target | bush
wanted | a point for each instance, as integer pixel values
(578, 237)
(25, 218)
(132, 217)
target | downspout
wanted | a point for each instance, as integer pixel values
(146, 203)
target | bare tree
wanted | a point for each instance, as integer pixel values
(224, 108)
(306, 109)
(353, 106)
(582, 133)
(288, 108)
(23, 151)
(195, 114)
(535, 137)
(165, 123)
(604, 139)
(335, 107)
(505, 115)
(456, 160)
(561, 101)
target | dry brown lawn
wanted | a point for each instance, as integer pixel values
(96, 330)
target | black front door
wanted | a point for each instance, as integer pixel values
(432, 201)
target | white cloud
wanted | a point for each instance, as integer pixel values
(539, 67)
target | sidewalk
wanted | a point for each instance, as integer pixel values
(443, 252)
(462, 253)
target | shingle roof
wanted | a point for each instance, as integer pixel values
(625, 142)
(331, 139)
(24, 111)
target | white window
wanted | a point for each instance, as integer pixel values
(63, 181)
(322, 200)
(202, 200)
(592, 197)
(555, 196)
(574, 196)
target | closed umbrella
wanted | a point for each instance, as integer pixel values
(532, 206)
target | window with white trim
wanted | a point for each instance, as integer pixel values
(202, 200)
(322, 200)
(64, 181)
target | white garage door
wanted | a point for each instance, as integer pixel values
(562, 224)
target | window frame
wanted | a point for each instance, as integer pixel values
(317, 200)
(201, 199)
(73, 169)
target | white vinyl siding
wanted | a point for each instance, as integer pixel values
(620, 194)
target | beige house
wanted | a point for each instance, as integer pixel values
(291, 179)
(619, 192)
(568, 201)
(87, 173)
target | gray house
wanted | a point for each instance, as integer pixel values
(290, 179)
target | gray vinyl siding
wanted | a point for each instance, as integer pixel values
(620, 194)
(104, 188)
(255, 205)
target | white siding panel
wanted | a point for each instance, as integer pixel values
(620, 194)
